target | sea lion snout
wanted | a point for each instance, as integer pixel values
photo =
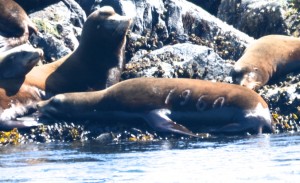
(246, 77)
(114, 21)
(48, 107)
(55, 101)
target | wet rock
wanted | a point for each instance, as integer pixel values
(255, 17)
(283, 99)
(180, 60)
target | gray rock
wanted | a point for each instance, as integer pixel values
(60, 26)
(87, 5)
(179, 60)
(179, 21)
(211, 6)
(197, 21)
(255, 17)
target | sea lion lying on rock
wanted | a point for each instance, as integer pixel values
(226, 107)
(267, 60)
(94, 65)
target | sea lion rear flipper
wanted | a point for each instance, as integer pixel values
(159, 120)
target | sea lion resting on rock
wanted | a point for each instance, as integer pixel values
(95, 64)
(15, 25)
(266, 60)
(230, 108)
(18, 61)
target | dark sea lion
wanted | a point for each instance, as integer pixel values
(266, 60)
(15, 25)
(18, 61)
(227, 107)
(90, 67)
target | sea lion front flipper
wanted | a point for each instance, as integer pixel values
(159, 120)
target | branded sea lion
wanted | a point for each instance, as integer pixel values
(15, 25)
(266, 60)
(18, 61)
(94, 65)
(226, 107)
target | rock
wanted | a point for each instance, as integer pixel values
(255, 17)
(60, 27)
(179, 60)
(178, 21)
(165, 40)
(293, 18)
(105, 138)
(211, 6)
(87, 5)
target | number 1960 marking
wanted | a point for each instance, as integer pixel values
(200, 105)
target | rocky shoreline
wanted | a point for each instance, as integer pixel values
(174, 38)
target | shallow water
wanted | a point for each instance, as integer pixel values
(264, 158)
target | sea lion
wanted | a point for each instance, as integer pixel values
(18, 61)
(266, 60)
(15, 25)
(159, 101)
(89, 67)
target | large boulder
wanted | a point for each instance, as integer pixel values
(180, 60)
(255, 17)
(60, 26)
(160, 23)
(211, 6)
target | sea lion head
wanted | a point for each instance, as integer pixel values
(51, 106)
(17, 62)
(63, 105)
(106, 26)
(250, 76)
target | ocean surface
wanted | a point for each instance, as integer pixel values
(263, 158)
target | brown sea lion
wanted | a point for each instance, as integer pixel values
(266, 60)
(227, 107)
(15, 25)
(18, 61)
(89, 67)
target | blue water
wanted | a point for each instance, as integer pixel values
(261, 158)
